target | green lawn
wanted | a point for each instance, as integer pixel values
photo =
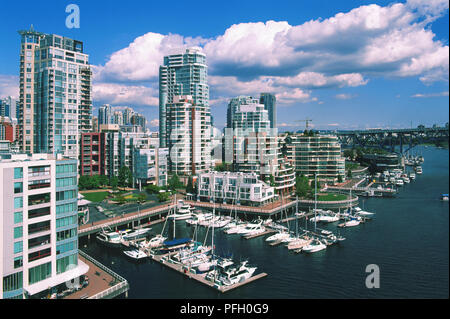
(331, 197)
(96, 197)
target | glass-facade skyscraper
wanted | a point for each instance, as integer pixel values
(270, 104)
(184, 74)
(55, 104)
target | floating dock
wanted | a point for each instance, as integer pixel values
(188, 272)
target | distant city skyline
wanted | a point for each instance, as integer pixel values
(345, 65)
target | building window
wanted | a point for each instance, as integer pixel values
(18, 172)
(18, 247)
(39, 254)
(18, 202)
(18, 262)
(18, 217)
(18, 187)
(66, 234)
(39, 273)
(13, 282)
(38, 199)
(39, 227)
(66, 263)
(34, 213)
(45, 183)
(39, 241)
(18, 232)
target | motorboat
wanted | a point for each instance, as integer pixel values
(419, 170)
(412, 176)
(199, 217)
(299, 243)
(154, 242)
(313, 247)
(235, 229)
(399, 182)
(136, 234)
(331, 218)
(289, 239)
(234, 275)
(444, 197)
(110, 238)
(252, 229)
(135, 254)
(351, 223)
(278, 236)
(183, 212)
(359, 211)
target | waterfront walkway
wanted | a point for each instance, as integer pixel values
(103, 282)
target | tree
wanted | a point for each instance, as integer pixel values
(174, 182)
(163, 197)
(95, 182)
(141, 197)
(190, 185)
(302, 186)
(349, 173)
(152, 189)
(313, 186)
(83, 182)
(103, 180)
(340, 179)
(125, 177)
(114, 182)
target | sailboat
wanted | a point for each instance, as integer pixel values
(313, 247)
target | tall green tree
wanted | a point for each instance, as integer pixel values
(302, 186)
(190, 185)
(163, 197)
(125, 177)
(174, 182)
(114, 182)
(103, 180)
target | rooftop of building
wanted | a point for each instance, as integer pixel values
(23, 157)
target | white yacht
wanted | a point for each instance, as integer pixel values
(154, 242)
(278, 236)
(252, 229)
(136, 234)
(361, 212)
(419, 170)
(412, 176)
(238, 274)
(135, 254)
(299, 243)
(235, 229)
(399, 182)
(313, 247)
(182, 213)
(330, 218)
(196, 218)
(351, 223)
(110, 238)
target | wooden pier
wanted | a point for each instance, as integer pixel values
(188, 272)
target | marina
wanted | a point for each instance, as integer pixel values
(361, 242)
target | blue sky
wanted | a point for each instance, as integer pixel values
(344, 64)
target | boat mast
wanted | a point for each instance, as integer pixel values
(296, 220)
(174, 213)
(315, 201)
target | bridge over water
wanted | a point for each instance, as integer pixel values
(388, 139)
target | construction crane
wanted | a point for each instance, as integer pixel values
(307, 122)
